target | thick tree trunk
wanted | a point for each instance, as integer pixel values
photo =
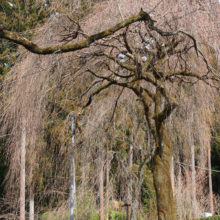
(163, 154)
(162, 180)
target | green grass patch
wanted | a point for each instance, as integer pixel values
(114, 215)
(217, 217)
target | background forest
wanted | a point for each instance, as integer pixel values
(113, 146)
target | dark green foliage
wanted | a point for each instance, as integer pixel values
(22, 15)
(148, 195)
(3, 170)
(18, 16)
(215, 152)
(3, 167)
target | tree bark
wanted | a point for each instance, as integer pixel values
(163, 152)
(162, 180)
(134, 207)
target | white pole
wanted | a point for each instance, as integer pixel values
(31, 206)
(72, 174)
(22, 180)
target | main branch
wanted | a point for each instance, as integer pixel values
(34, 48)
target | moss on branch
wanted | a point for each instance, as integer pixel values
(12, 36)
(183, 73)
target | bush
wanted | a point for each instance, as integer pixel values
(52, 216)
(86, 208)
(94, 217)
(114, 215)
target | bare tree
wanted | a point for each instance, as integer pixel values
(152, 63)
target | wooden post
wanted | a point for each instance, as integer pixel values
(127, 208)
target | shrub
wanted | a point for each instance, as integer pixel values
(94, 217)
(114, 215)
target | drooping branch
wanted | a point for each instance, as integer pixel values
(93, 84)
(108, 78)
(192, 74)
(116, 103)
(34, 48)
(119, 75)
(166, 34)
(126, 42)
(183, 73)
(98, 91)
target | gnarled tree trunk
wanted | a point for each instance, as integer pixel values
(162, 180)
(156, 117)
